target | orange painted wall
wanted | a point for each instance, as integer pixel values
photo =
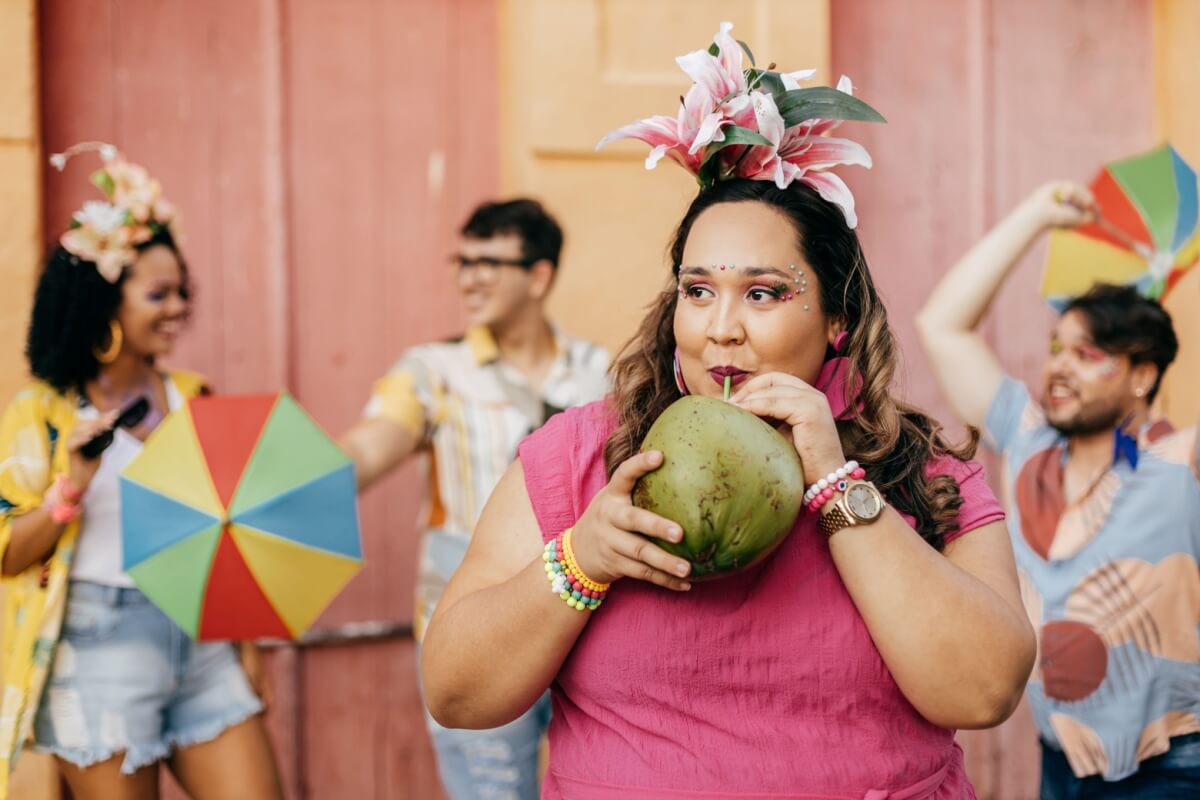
(20, 244)
(20, 187)
(1177, 119)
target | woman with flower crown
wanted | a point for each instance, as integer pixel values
(841, 666)
(93, 672)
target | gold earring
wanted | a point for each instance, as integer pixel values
(116, 339)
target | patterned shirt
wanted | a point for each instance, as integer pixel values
(1111, 585)
(471, 410)
(32, 429)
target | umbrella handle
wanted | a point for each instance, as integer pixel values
(1138, 247)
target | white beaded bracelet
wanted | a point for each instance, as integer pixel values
(831, 479)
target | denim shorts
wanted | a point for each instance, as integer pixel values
(125, 678)
(1174, 775)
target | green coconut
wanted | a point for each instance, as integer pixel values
(731, 481)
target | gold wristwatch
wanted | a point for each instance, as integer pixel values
(860, 504)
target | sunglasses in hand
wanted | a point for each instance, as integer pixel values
(129, 417)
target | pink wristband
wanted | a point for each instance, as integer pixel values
(62, 509)
(69, 492)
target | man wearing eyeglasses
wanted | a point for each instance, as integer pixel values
(465, 405)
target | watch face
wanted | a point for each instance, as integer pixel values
(863, 502)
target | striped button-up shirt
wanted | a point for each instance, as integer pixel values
(471, 410)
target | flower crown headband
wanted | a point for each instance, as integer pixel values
(107, 232)
(756, 124)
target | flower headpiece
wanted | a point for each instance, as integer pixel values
(107, 232)
(757, 124)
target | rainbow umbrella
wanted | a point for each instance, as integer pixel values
(1146, 234)
(239, 518)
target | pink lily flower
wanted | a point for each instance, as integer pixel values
(722, 75)
(791, 80)
(720, 97)
(680, 137)
(833, 190)
(759, 162)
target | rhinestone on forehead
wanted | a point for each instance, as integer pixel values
(801, 281)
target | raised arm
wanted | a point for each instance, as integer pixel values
(962, 362)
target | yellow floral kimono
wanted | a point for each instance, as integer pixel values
(34, 426)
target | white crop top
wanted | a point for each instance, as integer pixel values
(98, 551)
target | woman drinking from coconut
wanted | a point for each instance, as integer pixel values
(838, 666)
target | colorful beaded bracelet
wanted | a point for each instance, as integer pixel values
(573, 565)
(567, 580)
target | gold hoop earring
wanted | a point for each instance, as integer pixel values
(116, 339)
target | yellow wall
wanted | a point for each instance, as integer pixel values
(1177, 119)
(573, 71)
(20, 185)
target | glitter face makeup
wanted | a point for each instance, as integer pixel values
(1091, 362)
(797, 285)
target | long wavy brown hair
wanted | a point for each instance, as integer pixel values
(890, 439)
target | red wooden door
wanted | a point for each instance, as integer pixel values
(322, 155)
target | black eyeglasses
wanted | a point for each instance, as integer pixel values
(486, 269)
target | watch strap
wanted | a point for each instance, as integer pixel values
(834, 519)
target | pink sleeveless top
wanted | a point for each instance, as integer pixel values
(764, 684)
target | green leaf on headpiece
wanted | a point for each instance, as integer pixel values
(736, 134)
(714, 50)
(824, 102)
(766, 80)
(710, 168)
(709, 171)
(129, 220)
(104, 182)
(749, 53)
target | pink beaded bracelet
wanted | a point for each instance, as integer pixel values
(823, 490)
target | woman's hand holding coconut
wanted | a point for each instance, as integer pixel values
(606, 539)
